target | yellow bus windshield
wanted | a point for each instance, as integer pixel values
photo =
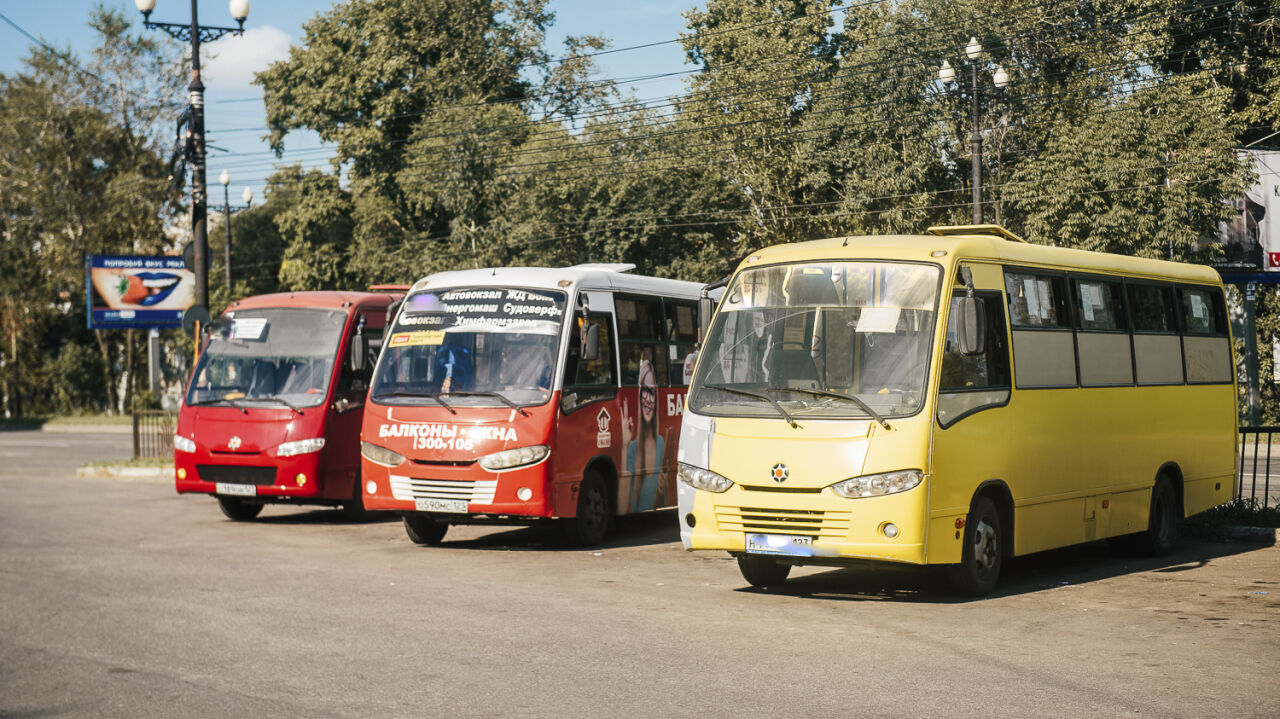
(803, 335)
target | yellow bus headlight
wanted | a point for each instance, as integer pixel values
(702, 478)
(877, 485)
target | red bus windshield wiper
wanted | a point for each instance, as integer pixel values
(216, 400)
(428, 395)
(276, 398)
(498, 395)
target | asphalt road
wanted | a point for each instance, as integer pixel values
(121, 598)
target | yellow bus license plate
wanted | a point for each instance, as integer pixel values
(784, 544)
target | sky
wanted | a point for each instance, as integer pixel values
(234, 117)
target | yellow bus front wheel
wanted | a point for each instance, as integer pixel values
(763, 571)
(979, 569)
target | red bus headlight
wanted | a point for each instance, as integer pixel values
(380, 455)
(301, 446)
(512, 458)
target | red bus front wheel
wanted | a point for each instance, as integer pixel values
(591, 525)
(423, 529)
(239, 510)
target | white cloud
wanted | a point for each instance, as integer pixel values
(235, 58)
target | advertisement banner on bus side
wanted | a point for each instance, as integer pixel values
(126, 291)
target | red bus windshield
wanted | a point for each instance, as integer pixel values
(472, 347)
(271, 355)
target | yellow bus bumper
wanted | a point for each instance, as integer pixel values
(839, 528)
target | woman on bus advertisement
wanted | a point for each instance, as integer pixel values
(645, 447)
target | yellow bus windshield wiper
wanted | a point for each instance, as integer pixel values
(758, 395)
(838, 395)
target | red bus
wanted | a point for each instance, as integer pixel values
(514, 395)
(273, 409)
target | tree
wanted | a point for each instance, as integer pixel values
(876, 150)
(762, 67)
(81, 171)
(423, 102)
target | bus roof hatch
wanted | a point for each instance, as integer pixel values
(606, 267)
(953, 230)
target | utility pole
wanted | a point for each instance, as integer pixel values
(196, 33)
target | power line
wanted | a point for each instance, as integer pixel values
(682, 151)
(62, 57)
(629, 117)
(675, 102)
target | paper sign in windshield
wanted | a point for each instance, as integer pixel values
(249, 328)
(879, 319)
(417, 339)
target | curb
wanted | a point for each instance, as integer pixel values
(127, 474)
(87, 428)
(1228, 533)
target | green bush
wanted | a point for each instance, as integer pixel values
(1242, 512)
(77, 380)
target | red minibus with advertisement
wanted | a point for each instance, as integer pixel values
(512, 395)
(273, 409)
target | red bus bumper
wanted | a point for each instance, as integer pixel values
(295, 478)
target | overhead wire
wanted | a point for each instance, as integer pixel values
(709, 147)
(324, 149)
(842, 73)
(609, 173)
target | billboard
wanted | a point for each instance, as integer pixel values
(133, 291)
(1254, 234)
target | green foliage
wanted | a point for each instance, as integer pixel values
(749, 102)
(1147, 176)
(77, 379)
(81, 171)
(1242, 512)
(312, 213)
(874, 148)
(461, 142)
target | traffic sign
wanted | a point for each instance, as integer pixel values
(194, 314)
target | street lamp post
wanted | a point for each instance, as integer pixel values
(225, 179)
(196, 34)
(999, 78)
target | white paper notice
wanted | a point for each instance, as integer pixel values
(1029, 291)
(249, 328)
(879, 319)
(1197, 306)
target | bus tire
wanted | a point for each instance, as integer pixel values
(238, 510)
(353, 510)
(1162, 521)
(761, 572)
(591, 525)
(979, 569)
(423, 529)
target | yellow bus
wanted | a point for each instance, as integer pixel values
(954, 398)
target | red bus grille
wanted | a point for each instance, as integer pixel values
(411, 488)
(235, 474)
